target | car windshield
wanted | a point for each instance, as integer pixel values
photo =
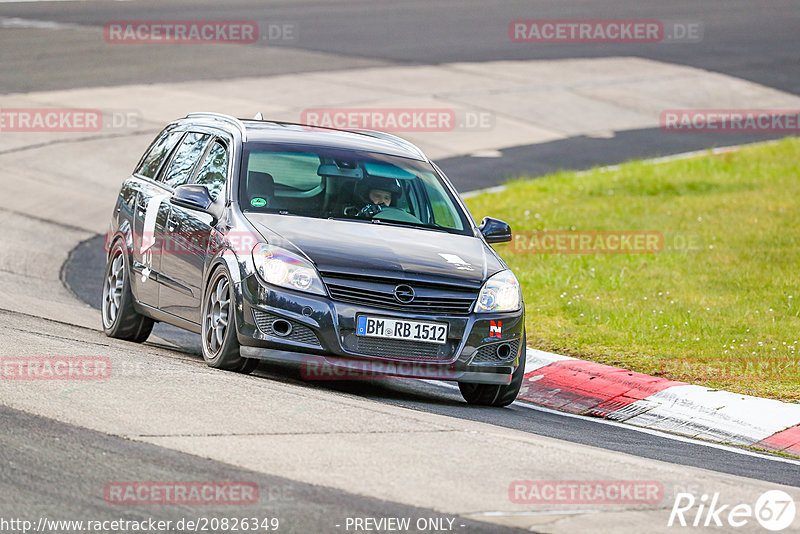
(347, 184)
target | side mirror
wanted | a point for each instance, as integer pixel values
(195, 197)
(495, 230)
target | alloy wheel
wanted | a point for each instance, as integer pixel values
(215, 322)
(112, 289)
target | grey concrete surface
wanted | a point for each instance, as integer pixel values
(39, 480)
(357, 448)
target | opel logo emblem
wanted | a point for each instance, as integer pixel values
(404, 294)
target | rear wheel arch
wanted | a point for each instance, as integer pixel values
(119, 316)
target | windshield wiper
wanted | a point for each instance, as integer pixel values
(409, 224)
(346, 218)
(389, 222)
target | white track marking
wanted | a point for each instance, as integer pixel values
(34, 24)
(643, 430)
(717, 415)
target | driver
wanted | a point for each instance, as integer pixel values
(378, 193)
(380, 197)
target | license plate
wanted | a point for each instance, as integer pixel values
(401, 329)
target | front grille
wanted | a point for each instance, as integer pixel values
(378, 292)
(398, 349)
(488, 353)
(300, 333)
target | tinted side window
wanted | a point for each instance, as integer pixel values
(159, 150)
(444, 211)
(185, 159)
(214, 169)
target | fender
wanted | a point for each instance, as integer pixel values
(124, 233)
(236, 268)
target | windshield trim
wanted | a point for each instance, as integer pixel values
(345, 218)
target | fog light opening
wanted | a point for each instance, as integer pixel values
(282, 327)
(504, 351)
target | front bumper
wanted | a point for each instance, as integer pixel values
(480, 348)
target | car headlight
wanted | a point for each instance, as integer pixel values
(280, 267)
(500, 293)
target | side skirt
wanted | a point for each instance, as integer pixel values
(165, 317)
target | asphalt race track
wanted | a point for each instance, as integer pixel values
(322, 452)
(82, 275)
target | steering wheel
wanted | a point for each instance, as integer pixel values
(396, 214)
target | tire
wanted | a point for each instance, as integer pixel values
(120, 318)
(219, 342)
(492, 394)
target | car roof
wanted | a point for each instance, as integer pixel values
(252, 130)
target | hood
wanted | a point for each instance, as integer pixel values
(365, 248)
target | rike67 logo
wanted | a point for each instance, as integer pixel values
(774, 510)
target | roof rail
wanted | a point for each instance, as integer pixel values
(221, 117)
(399, 141)
(371, 133)
(394, 139)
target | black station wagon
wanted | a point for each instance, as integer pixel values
(348, 252)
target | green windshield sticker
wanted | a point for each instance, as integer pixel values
(258, 202)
